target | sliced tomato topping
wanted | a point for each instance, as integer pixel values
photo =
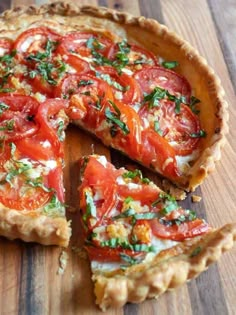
(78, 64)
(176, 128)
(31, 200)
(100, 180)
(124, 87)
(82, 44)
(40, 85)
(55, 182)
(127, 136)
(106, 254)
(37, 147)
(179, 232)
(87, 97)
(17, 117)
(174, 83)
(158, 153)
(17, 189)
(146, 194)
(33, 40)
(48, 117)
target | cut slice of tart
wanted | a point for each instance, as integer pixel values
(139, 240)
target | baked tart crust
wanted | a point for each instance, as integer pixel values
(64, 17)
(168, 270)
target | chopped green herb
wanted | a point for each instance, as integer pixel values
(85, 82)
(107, 78)
(38, 182)
(154, 97)
(188, 216)
(114, 118)
(145, 216)
(193, 102)
(18, 169)
(158, 94)
(9, 125)
(129, 260)
(54, 207)
(157, 128)
(3, 107)
(127, 213)
(196, 251)
(134, 174)
(200, 134)
(91, 210)
(6, 90)
(116, 242)
(8, 57)
(60, 131)
(128, 200)
(170, 64)
(169, 204)
(93, 43)
(44, 66)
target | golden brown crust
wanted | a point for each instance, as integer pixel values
(64, 16)
(32, 227)
(166, 271)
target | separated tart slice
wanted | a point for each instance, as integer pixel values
(140, 242)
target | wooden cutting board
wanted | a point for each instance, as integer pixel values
(29, 283)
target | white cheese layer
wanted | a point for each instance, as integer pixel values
(160, 244)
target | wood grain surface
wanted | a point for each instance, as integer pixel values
(29, 283)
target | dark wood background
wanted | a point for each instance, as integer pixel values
(29, 283)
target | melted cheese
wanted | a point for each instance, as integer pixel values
(183, 161)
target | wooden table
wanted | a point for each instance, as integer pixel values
(29, 283)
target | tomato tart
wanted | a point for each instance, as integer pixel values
(138, 88)
(128, 80)
(140, 242)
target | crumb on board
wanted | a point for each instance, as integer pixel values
(196, 198)
(81, 252)
(63, 258)
(174, 191)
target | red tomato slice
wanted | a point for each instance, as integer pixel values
(106, 254)
(179, 232)
(88, 96)
(55, 181)
(151, 77)
(46, 117)
(138, 56)
(157, 152)
(33, 40)
(102, 181)
(146, 194)
(17, 118)
(38, 84)
(124, 87)
(77, 63)
(20, 195)
(131, 141)
(6, 46)
(31, 201)
(76, 42)
(36, 147)
(175, 128)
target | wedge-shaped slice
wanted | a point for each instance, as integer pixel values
(31, 156)
(139, 240)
